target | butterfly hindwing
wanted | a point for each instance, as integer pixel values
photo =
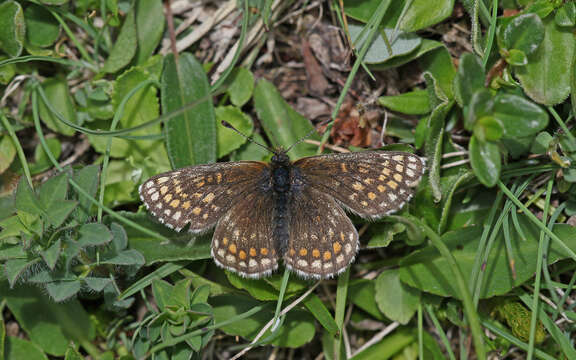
(323, 241)
(200, 195)
(371, 184)
(243, 241)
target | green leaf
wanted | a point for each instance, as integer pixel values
(7, 153)
(15, 268)
(190, 136)
(426, 46)
(469, 79)
(228, 140)
(566, 15)
(63, 290)
(182, 248)
(411, 103)
(321, 313)
(97, 284)
(283, 125)
(94, 234)
(58, 95)
(524, 33)
(519, 116)
(87, 178)
(72, 353)
(53, 325)
(125, 258)
(53, 191)
(541, 143)
(161, 290)
(428, 271)
(481, 104)
(439, 64)
(12, 28)
(17, 348)
(60, 212)
(363, 294)
(26, 199)
(51, 254)
(544, 77)
(149, 28)
(488, 128)
(485, 161)
(396, 300)
(125, 45)
(403, 43)
(42, 28)
(42, 161)
(516, 58)
(241, 86)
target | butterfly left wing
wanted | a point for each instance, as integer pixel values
(371, 184)
(200, 195)
(323, 241)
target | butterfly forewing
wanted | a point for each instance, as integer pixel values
(323, 241)
(371, 184)
(243, 240)
(200, 195)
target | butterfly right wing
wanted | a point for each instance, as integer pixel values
(201, 195)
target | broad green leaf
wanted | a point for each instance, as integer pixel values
(411, 103)
(58, 95)
(63, 290)
(161, 290)
(488, 128)
(544, 78)
(51, 254)
(125, 258)
(94, 234)
(72, 353)
(396, 300)
(438, 62)
(469, 79)
(519, 116)
(119, 237)
(60, 212)
(14, 268)
(53, 325)
(42, 29)
(53, 191)
(229, 140)
(541, 143)
(191, 135)
(516, 58)
(402, 43)
(283, 125)
(149, 28)
(17, 348)
(125, 45)
(566, 15)
(426, 46)
(7, 153)
(97, 284)
(481, 104)
(183, 246)
(485, 160)
(362, 293)
(7, 72)
(391, 345)
(428, 271)
(524, 33)
(420, 14)
(297, 329)
(12, 28)
(241, 86)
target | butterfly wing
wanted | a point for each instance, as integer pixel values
(371, 184)
(323, 241)
(243, 240)
(200, 195)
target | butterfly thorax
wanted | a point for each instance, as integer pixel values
(281, 178)
(281, 168)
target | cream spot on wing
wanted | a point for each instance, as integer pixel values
(205, 216)
(231, 258)
(266, 262)
(167, 212)
(316, 264)
(340, 259)
(163, 189)
(162, 180)
(357, 186)
(381, 188)
(208, 198)
(252, 263)
(221, 252)
(175, 203)
(398, 157)
(216, 243)
(149, 185)
(351, 236)
(159, 205)
(302, 263)
(151, 191)
(398, 177)
(242, 263)
(364, 203)
(347, 248)
(413, 165)
(168, 197)
(392, 196)
(196, 211)
(177, 215)
(412, 159)
(155, 196)
(410, 173)
(327, 265)
(399, 168)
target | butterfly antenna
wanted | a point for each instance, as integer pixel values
(308, 135)
(229, 126)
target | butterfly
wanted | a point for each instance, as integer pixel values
(290, 210)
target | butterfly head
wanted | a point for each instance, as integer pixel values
(281, 157)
